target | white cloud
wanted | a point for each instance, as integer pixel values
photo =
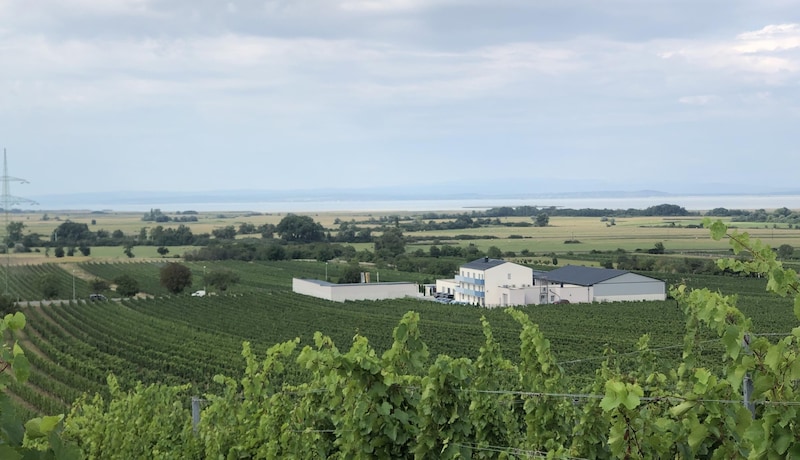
(772, 52)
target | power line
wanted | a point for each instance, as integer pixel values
(7, 200)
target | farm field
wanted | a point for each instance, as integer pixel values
(678, 235)
(73, 345)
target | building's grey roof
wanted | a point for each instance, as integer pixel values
(484, 263)
(582, 276)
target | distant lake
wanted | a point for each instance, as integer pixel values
(691, 203)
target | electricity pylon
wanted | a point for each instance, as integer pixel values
(7, 200)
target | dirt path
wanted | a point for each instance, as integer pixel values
(77, 271)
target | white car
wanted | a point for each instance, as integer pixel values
(200, 293)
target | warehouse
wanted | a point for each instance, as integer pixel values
(577, 284)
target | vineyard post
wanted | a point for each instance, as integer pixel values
(195, 414)
(747, 384)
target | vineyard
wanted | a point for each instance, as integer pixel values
(74, 345)
(444, 381)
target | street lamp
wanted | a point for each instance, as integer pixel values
(326, 271)
(73, 285)
(204, 279)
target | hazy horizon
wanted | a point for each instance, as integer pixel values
(310, 202)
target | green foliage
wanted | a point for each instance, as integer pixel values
(7, 305)
(99, 285)
(658, 248)
(175, 277)
(300, 229)
(48, 286)
(541, 220)
(133, 424)
(224, 233)
(14, 233)
(73, 233)
(351, 273)
(127, 285)
(16, 437)
(390, 244)
(222, 279)
(494, 252)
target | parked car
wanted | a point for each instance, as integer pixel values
(97, 297)
(200, 293)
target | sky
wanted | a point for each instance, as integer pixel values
(101, 96)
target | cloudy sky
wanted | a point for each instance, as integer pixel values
(205, 95)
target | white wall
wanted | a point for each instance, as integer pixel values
(358, 291)
(511, 297)
(447, 286)
(507, 274)
(630, 286)
(570, 292)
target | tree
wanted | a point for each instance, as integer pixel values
(128, 250)
(127, 286)
(390, 244)
(59, 252)
(246, 228)
(72, 233)
(176, 277)
(494, 252)
(300, 229)
(224, 233)
(7, 305)
(221, 279)
(351, 273)
(785, 251)
(99, 285)
(85, 250)
(14, 233)
(163, 250)
(541, 220)
(48, 285)
(658, 248)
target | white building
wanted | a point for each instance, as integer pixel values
(354, 291)
(447, 287)
(493, 283)
(577, 284)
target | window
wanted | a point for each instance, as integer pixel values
(509, 276)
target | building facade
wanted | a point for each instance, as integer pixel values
(492, 283)
(577, 284)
